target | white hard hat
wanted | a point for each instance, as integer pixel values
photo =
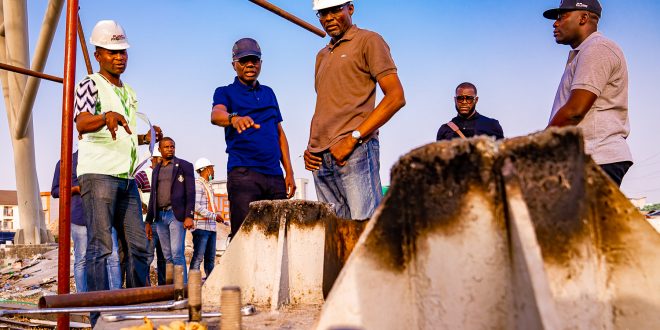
(202, 163)
(156, 153)
(322, 4)
(109, 34)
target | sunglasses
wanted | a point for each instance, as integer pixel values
(465, 98)
(243, 61)
(332, 10)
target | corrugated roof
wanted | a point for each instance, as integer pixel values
(8, 197)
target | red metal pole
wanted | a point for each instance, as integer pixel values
(64, 253)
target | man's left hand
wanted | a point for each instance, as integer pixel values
(342, 149)
(188, 223)
(290, 183)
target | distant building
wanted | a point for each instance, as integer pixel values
(10, 219)
(9, 205)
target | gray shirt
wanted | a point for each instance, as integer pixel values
(165, 185)
(598, 66)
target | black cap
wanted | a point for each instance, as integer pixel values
(569, 5)
(245, 47)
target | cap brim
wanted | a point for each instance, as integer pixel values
(244, 54)
(553, 13)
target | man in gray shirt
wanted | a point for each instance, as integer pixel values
(172, 203)
(593, 92)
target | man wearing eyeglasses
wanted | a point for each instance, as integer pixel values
(593, 92)
(343, 147)
(255, 139)
(468, 122)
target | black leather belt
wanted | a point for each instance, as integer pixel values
(166, 208)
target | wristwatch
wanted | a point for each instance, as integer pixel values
(357, 135)
(232, 115)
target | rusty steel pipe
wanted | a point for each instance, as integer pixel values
(29, 72)
(289, 17)
(83, 47)
(68, 91)
(111, 297)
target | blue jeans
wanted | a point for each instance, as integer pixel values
(109, 203)
(172, 237)
(204, 248)
(354, 189)
(160, 257)
(79, 237)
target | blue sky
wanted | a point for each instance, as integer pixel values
(181, 52)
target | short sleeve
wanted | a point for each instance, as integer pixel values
(378, 57)
(594, 69)
(220, 97)
(86, 97)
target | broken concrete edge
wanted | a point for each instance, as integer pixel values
(431, 180)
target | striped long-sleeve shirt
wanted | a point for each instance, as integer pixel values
(205, 216)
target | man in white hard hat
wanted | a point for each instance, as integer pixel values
(256, 142)
(105, 116)
(143, 180)
(206, 215)
(343, 147)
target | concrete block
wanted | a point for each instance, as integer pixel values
(460, 242)
(279, 255)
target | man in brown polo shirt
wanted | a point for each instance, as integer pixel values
(593, 92)
(343, 148)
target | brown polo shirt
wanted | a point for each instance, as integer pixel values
(346, 74)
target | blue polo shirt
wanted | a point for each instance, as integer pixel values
(258, 149)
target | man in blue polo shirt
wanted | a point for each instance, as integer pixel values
(255, 139)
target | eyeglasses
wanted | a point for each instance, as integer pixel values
(332, 10)
(465, 98)
(243, 61)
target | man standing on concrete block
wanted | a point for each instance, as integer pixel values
(206, 215)
(255, 139)
(343, 148)
(172, 203)
(468, 122)
(593, 92)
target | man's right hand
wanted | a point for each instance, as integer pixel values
(241, 124)
(312, 162)
(113, 120)
(148, 230)
(75, 190)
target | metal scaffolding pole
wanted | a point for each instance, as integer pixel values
(64, 256)
(48, 28)
(16, 52)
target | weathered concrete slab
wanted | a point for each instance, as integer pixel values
(281, 256)
(457, 244)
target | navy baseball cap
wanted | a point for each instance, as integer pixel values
(569, 5)
(245, 47)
